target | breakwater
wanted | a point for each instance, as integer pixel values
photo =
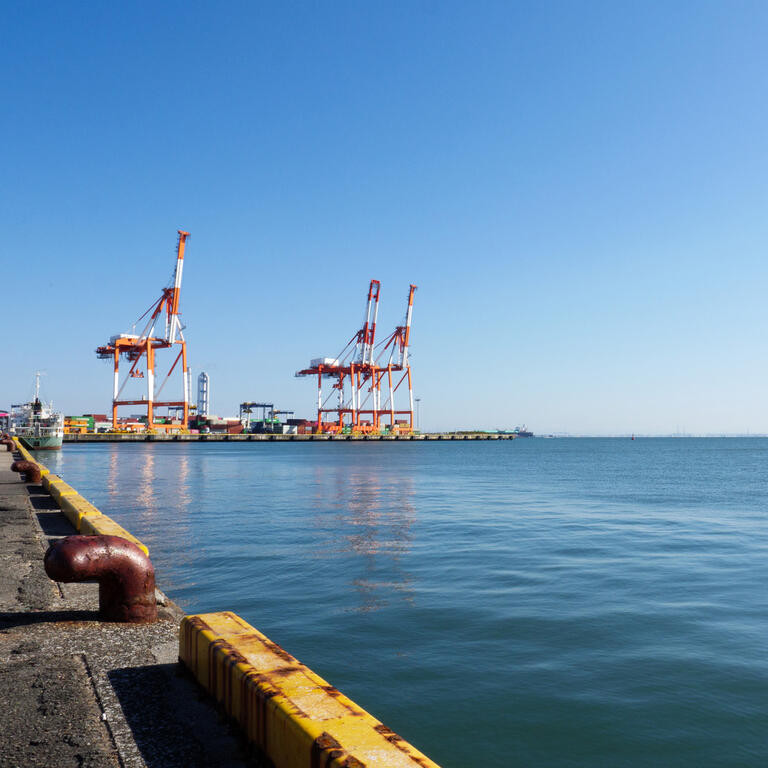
(294, 717)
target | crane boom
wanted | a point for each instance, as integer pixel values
(407, 329)
(368, 331)
(173, 303)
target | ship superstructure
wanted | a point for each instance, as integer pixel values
(36, 423)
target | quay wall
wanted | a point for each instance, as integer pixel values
(293, 716)
(139, 437)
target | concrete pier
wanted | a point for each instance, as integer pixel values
(140, 437)
(75, 691)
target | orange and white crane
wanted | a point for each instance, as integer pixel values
(355, 376)
(142, 347)
(399, 342)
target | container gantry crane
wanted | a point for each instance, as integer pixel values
(135, 347)
(356, 376)
(398, 344)
(246, 409)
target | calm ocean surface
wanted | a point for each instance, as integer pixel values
(561, 602)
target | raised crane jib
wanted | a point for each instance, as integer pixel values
(367, 334)
(172, 322)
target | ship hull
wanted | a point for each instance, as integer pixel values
(41, 443)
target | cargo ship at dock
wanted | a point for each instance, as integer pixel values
(36, 423)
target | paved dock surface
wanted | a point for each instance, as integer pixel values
(75, 691)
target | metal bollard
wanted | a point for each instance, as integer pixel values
(29, 468)
(124, 573)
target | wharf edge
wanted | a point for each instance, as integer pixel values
(289, 714)
(140, 437)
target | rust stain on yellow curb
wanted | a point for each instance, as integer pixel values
(296, 718)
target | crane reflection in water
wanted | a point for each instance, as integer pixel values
(372, 514)
(150, 502)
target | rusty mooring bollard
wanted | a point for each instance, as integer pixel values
(124, 573)
(29, 468)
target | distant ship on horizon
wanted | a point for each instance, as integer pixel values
(517, 432)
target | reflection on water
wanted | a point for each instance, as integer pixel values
(147, 493)
(184, 495)
(151, 491)
(373, 515)
(146, 489)
(114, 466)
(49, 459)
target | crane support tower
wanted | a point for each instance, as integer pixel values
(144, 346)
(357, 376)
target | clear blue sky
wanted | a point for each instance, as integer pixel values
(579, 189)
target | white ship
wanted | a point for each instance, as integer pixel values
(36, 424)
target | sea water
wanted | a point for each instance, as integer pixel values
(551, 602)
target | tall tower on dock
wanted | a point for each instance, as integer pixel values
(203, 394)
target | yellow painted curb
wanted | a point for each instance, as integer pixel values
(22, 450)
(27, 456)
(101, 525)
(294, 716)
(59, 489)
(75, 508)
(49, 479)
